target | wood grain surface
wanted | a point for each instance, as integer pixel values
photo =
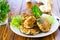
(7, 34)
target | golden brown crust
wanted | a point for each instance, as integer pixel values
(45, 27)
(29, 5)
(32, 31)
(29, 22)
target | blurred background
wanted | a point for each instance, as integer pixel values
(16, 5)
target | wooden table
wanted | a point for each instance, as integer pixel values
(7, 34)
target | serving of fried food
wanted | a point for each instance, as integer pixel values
(32, 22)
(32, 25)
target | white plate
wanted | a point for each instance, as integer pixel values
(54, 27)
(5, 22)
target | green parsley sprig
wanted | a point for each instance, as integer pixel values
(36, 11)
(4, 9)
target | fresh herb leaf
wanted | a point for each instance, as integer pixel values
(15, 22)
(36, 11)
(4, 9)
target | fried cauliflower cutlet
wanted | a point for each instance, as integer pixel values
(25, 15)
(29, 5)
(29, 22)
(32, 31)
(24, 30)
(43, 24)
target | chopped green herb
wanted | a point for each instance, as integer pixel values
(15, 22)
(36, 11)
(4, 9)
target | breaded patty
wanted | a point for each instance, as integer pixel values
(35, 30)
(44, 25)
(32, 31)
(24, 30)
(29, 22)
(29, 5)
